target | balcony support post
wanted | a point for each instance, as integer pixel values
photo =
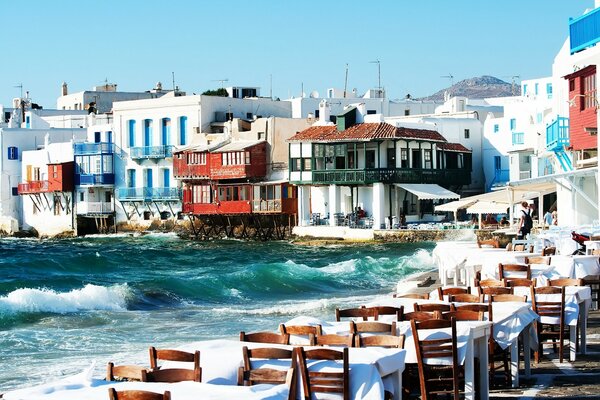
(378, 204)
(334, 192)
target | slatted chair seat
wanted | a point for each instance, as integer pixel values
(551, 325)
(125, 372)
(249, 374)
(265, 337)
(362, 312)
(439, 379)
(321, 381)
(113, 394)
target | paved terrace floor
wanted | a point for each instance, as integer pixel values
(549, 378)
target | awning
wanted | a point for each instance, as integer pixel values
(456, 205)
(428, 191)
(488, 207)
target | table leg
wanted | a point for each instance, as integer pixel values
(514, 362)
(470, 371)
(583, 315)
(572, 342)
(482, 351)
(398, 390)
(525, 337)
(456, 273)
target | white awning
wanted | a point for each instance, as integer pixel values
(428, 191)
(488, 207)
(456, 205)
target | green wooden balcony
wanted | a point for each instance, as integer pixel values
(392, 175)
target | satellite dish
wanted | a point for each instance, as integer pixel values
(314, 94)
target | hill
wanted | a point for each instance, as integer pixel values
(477, 88)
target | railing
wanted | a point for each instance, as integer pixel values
(501, 175)
(393, 175)
(151, 152)
(33, 187)
(95, 208)
(149, 194)
(557, 134)
(518, 138)
(266, 205)
(93, 148)
(524, 174)
(584, 31)
(94, 179)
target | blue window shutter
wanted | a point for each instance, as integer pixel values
(182, 130)
(166, 178)
(131, 133)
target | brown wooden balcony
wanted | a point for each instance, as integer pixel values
(392, 175)
(32, 187)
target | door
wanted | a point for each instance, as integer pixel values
(166, 178)
(166, 131)
(148, 178)
(97, 138)
(416, 159)
(148, 132)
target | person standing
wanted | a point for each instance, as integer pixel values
(525, 222)
(548, 218)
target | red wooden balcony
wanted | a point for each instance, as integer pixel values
(32, 187)
(191, 165)
(223, 207)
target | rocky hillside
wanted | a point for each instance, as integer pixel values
(477, 88)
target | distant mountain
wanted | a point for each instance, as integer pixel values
(477, 88)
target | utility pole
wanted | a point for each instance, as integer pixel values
(173, 76)
(346, 81)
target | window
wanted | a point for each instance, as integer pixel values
(147, 132)
(549, 90)
(166, 131)
(57, 205)
(201, 194)
(496, 128)
(81, 196)
(15, 191)
(55, 171)
(182, 130)
(497, 163)
(513, 124)
(131, 125)
(525, 90)
(467, 133)
(307, 164)
(407, 112)
(403, 158)
(13, 153)
(235, 158)
(97, 137)
(249, 115)
(536, 88)
(196, 158)
(107, 197)
(427, 157)
(539, 118)
(589, 92)
(370, 112)
(571, 85)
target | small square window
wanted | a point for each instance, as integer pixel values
(496, 128)
(13, 153)
(467, 133)
(15, 191)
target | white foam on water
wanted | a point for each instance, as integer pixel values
(342, 267)
(90, 297)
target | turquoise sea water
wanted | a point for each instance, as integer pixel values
(67, 303)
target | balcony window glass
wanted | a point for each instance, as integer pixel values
(247, 155)
(166, 131)
(370, 159)
(497, 163)
(467, 133)
(549, 90)
(307, 165)
(427, 158)
(513, 124)
(107, 164)
(296, 164)
(147, 132)
(589, 87)
(403, 158)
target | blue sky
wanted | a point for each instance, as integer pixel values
(137, 43)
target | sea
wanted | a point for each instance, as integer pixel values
(72, 304)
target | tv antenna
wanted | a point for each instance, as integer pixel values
(20, 86)
(346, 81)
(513, 80)
(449, 76)
(222, 81)
(378, 72)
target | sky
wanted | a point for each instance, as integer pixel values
(283, 46)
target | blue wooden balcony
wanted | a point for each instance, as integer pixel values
(393, 175)
(557, 134)
(584, 31)
(151, 152)
(149, 194)
(94, 179)
(81, 149)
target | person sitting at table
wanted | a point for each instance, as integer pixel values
(490, 220)
(504, 221)
(361, 213)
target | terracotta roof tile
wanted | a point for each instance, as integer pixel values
(365, 131)
(453, 147)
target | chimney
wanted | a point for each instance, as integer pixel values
(324, 111)
(361, 111)
(65, 91)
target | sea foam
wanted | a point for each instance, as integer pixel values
(90, 297)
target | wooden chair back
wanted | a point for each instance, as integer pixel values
(321, 381)
(548, 311)
(421, 315)
(173, 355)
(490, 283)
(125, 372)
(465, 298)
(514, 271)
(507, 298)
(113, 394)
(433, 307)
(333, 340)
(373, 327)
(265, 337)
(549, 251)
(387, 310)
(248, 376)
(451, 290)
(432, 381)
(172, 375)
(463, 315)
(362, 312)
(495, 243)
(418, 296)
(566, 282)
(301, 330)
(515, 282)
(537, 260)
(473, 307)
(389, 341)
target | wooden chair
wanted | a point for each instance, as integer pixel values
(465, 298)
(430, 307)
(265, 337)
(484, 308)
(463, 315)
(248, 375)
(499, 358)
(451, 290)
(418, 296)
(437, 380)
(333, 340)
(173, 355)
(362, 312)
(560, 282)
(512, 271)
(516, 282)
(421, 315)
(172, 375)
(125, 373)
(321, 381)
(373, 327)
(137, 395)
(387, 310)
(301, 330)
(490, 283)
(494, 243)
(549, 251)
(545, 260)
(552, 316)
(507, 298)
(388, 341)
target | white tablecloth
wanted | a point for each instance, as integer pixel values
(576, 266)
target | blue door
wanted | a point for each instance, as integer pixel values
(147, 132)
(166, 131)
(149, 178)
(97, 137)
(166, 178)
(182, 130)
(131, 178)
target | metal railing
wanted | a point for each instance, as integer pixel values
(93, 148)
(584, 31)
(557, 134)
(33, 187)
(266, 205)
(151, 152)
(524, 174)
(99, 207)
(394, 175)
(149, 194)
(94, 179)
